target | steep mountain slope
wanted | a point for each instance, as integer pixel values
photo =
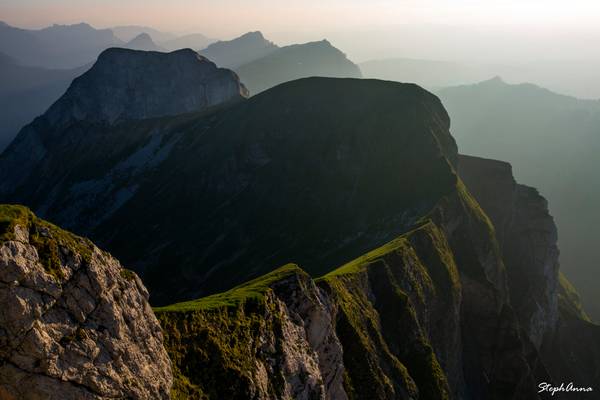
(227, 173)
(193, 41)
(547, 305)
(26, 92)
(552, 141)
(295, 62)
(239, 51)
(74, 324)
(58, 46)
(412, 319)
(144, 42)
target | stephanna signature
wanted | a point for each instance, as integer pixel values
(569, 387)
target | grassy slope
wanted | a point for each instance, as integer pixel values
(253, 290)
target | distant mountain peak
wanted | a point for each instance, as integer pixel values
(497, 80)
(239, 51)
(143, 41)
(143, 36)
(143, 84)
(253, 34)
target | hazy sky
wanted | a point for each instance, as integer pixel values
(550, 42)
(224, 18)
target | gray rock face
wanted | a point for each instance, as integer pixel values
(128, 84)
(307, 306)
(281, 346)
(78, 328)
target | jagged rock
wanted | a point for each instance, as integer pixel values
(73, 324)
(272, 338)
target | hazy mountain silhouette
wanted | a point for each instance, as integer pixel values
(553, 142)
(144, 42)
(233, 53)
(194, 41)
(128, 32)
(427, 73)
(294, 62)
(58, 46)
(26, 92)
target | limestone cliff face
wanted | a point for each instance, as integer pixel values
(73, 323)
(559, 340)
(528, 238)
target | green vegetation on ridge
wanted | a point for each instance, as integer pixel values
(213, 339)
(253, 290)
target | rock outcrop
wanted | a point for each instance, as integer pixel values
(272, 338)
(73, 323)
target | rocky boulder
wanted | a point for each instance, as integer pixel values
(74, 324)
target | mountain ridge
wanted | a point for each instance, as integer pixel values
(297, 61)
(239, 51)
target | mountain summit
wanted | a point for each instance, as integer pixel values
(128, 84)
(244, 49)
(123, 85)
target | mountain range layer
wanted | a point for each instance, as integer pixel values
(429, 275)
(26, 92)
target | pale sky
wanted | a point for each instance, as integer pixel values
(227, 18)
